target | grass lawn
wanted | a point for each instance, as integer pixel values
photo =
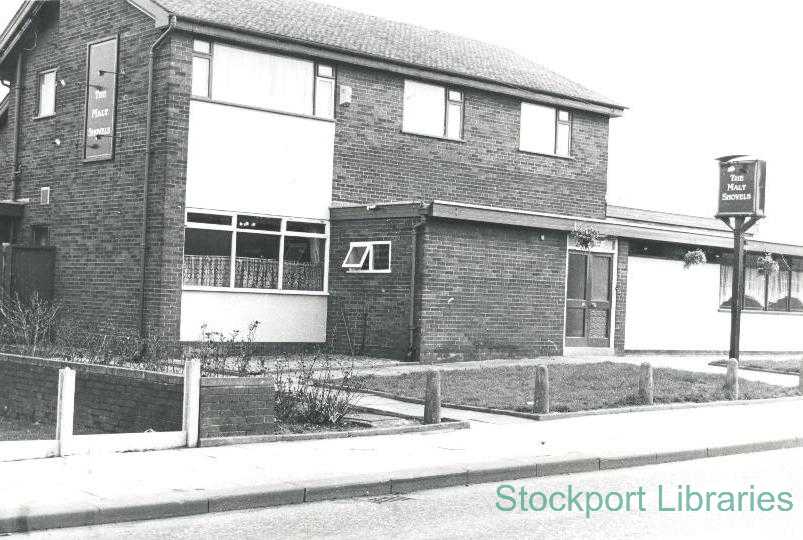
(573, 387)
(774, 366)
(16, 430)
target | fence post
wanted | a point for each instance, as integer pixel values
(800, 375)
(646, 386)
(541, 390)
(192, 401)
(732, 379)
(432, 398)
(65, 410)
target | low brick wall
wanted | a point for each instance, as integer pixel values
(236, 406)
(107, 399)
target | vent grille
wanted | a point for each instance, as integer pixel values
(44, 195)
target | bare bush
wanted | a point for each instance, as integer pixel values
(28, 323)
(314, 388)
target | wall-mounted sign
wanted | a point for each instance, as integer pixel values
(742, 185)
(101, 99)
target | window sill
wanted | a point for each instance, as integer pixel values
(262, 109)
(545, 154)
(44, 116)
(436, 137)
(762, 312)
(253, 291)
(352, 271)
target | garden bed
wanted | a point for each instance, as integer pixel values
(786, 366)
(573, 387)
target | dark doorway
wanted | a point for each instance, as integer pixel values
(588, 299)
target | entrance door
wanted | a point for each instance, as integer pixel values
(588, 299)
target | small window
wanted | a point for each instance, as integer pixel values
(259, 223)
(201, 46)
(368, 257)
(209, 219)
(40, 235)
(47, 93)
(432, 110)
(200, 76)
(545, 130)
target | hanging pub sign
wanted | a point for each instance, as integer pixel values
(101, 99)
(742, 183)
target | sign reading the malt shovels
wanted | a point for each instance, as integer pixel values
(101, 100)
(741, 186)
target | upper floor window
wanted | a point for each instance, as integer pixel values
(545, 130)
(47, 93)
(432, 110)
(265, 81)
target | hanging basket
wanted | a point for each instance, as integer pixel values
(694, 258)
(767, 264)
(586, 237)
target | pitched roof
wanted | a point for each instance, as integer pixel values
(333, 27)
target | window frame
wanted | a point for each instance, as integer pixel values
(281, 233)
(785, 266)
(369, 257)
(210, 57)
(39, 77)
(446, 101)
(557, 123)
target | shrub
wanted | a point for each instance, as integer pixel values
(217, 349)
(28, 322)
(314, 389)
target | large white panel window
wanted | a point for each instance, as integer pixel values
(432, 110)
(545, 130)
(47, 93)
(261, 80)
(243, 251)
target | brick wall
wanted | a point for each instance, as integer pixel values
(232, 407)
(621, 296)
(375, 162)
(376, 306)
(107, 399)
(491, 291)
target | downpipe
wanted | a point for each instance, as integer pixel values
(411, 326)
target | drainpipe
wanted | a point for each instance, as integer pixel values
(147, 171)
(12, 189)
(413, 269)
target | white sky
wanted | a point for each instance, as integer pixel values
(701, 79)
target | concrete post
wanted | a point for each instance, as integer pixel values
(646, 386)
(800, 375)
(432, 398)
(65, 410)
(192, 401)
(541, 390)
(732, 379)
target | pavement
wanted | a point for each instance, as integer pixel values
(104, 488)
(471, 512)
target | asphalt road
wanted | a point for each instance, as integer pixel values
(472, 512)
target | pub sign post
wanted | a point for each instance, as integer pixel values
(742, 188)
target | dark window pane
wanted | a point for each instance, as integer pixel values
(381, 256)
(300, 226)
(577, 276)
(208, 219)
(303, 264)
(207, 257)
(755, 290)
(575, 322)
(778, 292)
(257, 261)
(601, 278)
(258, 223)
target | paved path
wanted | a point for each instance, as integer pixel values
(470, 512)
(118, 480)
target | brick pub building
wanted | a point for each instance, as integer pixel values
(392, 190)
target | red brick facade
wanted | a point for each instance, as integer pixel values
(481, 290)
